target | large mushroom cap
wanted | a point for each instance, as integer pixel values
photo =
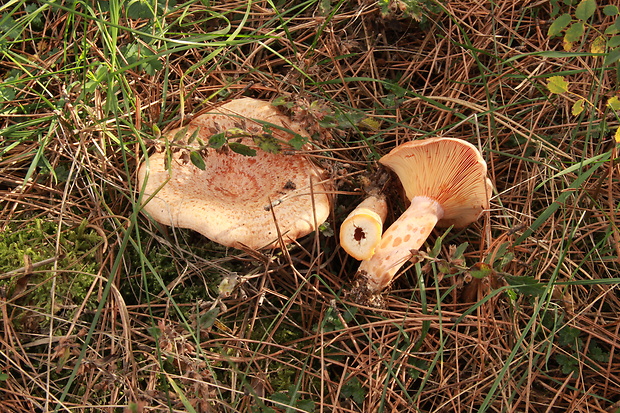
(237, 200)
(448, 170)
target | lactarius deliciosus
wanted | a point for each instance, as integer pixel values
(361, 231)
(446, 181)
(237, 200)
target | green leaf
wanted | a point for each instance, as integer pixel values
(585, 9)
(614, 28)
(297, 142)
(460, 250)
(568, 363)
(354, 389)
(574, 32)
(267, 143)
(7, 93)
(559, 24)
(207, 320)
(140, 9)
(612, 57)
(326, 230)
(282, 101)
(525, 285)
(180, 134)
(597, 353)
(610, 10)
(193, 136)
(218, 140)
(197, 160)
(156, 131)
(241, 149)
(578, 107)
(613, 42)
(557, 84)
(9, 27)
(569, 337)
(305, 405)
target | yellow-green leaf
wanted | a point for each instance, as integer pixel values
(578, 107)
(617, 135)
(598, 45)
(180, 134)
(614, 103)
(566, 45)
(557, 84)
(369, 124)
(481, 270)
(574, 32)
(156, 131)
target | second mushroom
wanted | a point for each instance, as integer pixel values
(261, 201)
(446, 181)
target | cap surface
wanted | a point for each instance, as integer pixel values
(448, 170)
(237, 200)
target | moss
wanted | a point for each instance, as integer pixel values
(74, 271)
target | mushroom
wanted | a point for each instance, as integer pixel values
(361, 231)
(446, 181)
(237, 200)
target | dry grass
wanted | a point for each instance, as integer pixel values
(151, 333)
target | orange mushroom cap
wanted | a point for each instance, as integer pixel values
(448, 170)
(238, 200)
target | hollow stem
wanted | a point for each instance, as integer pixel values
(361, 231)
(407, 233)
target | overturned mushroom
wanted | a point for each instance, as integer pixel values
(446, 181)
(237, 200)
(361, 231)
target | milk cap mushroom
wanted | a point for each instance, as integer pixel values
(446, 181)
(361, 231)
(237, 200)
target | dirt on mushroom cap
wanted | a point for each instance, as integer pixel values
(234, 200)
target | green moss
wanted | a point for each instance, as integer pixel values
(74, 270)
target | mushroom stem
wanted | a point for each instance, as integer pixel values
(361, 231)
(407, 233)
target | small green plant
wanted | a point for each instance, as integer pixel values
(353, 389)
(291, 400)
(570, 341)
(573, 26)
(560, 86)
